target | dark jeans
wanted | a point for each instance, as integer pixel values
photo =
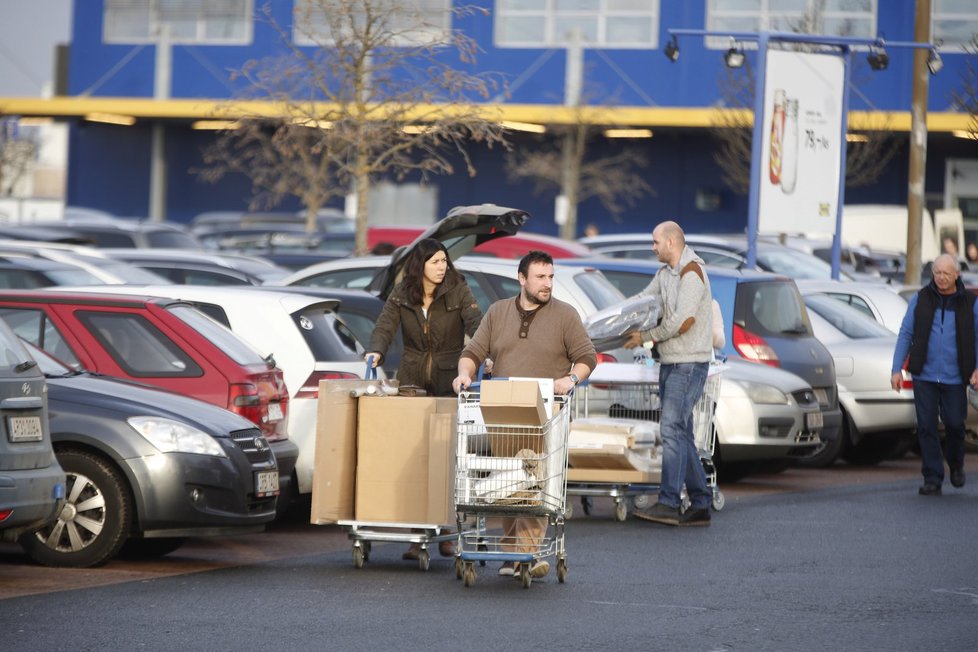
(680, 386)
(950, 403)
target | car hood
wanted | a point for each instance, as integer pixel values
(126, 399)
(461, 231)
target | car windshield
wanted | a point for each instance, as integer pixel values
(796, 264)
(171, 239)
(848, 320)
(72, 277)
(598, 289)
(220, 336)
(132, 275)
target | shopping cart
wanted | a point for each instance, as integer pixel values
(510, 471)
(630, 392)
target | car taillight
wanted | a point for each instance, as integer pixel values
(268, 412)
(310, 388)
(5, 514)
(606, 357)
(754, 347)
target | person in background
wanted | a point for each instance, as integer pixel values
(591, 230)
(971, 255)
(434, 309)
(950, 246)
(684, 339)
(531, 335)
(939, 343)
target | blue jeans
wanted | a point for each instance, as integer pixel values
(680, 386)
(950, 403)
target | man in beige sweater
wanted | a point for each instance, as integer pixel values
(532, 335)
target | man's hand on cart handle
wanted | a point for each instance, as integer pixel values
(372, 358)
(461, 383)
(563, 385)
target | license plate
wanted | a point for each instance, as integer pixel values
(24, 429)
(266, 483)
(813, 420)
(274, 412)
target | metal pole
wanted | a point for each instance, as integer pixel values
(161, 91)
(841, 198)
(918, 146)
(753, 209)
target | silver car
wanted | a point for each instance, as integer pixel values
(876, 420)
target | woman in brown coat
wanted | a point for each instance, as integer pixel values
(435, 309)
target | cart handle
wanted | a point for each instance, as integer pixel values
(371, 373)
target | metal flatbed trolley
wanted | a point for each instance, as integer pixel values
(631, 392)
(363, 533)
(510, 471)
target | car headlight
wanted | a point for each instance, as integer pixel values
(174, 436)
(765, 394)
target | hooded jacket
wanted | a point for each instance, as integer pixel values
(432, 344)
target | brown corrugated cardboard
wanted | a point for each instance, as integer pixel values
(512, 402)
(616, 476)
(334, 472)
(392, 473)
(611, 456)
(441, 468)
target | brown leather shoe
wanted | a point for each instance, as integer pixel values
(412, 553)
(446, 548)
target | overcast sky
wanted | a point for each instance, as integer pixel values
(29, 32)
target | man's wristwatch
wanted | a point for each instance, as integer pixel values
(574, 378)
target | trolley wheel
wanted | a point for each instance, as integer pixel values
(719, 500)
(568, 511)
(459, 568)
(525, 578)
(358, 556)
(642, 501)
(469, 574)
(586, 504)
(424, 560)
(621, 511)
(561, 570)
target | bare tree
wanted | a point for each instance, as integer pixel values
(365, 89)
(966, 97)
(561, 164)
(18, 152)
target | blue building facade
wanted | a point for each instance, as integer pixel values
(113, 58)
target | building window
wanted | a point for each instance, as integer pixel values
(823, 17)
(623, 24)
(410, 23)
(954, 23)
(189, 21)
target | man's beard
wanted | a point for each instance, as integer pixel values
(530, 299)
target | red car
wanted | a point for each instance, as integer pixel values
(160, 342)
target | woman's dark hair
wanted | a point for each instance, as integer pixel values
(414, 268)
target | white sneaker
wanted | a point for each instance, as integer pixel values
(508, 569)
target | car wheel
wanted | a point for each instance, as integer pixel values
(827, 452)
(95, 520)
(150, 548)
(873, 450)
(729, 471)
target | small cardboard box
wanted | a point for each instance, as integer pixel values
(393, 450)
(512, 402)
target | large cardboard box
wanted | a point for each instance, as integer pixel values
(614, 476)
(393, 450)
(441, 468)
(512, 402)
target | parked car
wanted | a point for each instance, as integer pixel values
(122, 232)
(302, 333)
(146, 469)
(27, 265)
(876, 421)
(728, 250)
(764, 319)
(32, 483)
(193, 267)
(161, 342)
(879, 301)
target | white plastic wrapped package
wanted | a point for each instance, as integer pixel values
(608, 328)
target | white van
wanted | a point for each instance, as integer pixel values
(884, 228)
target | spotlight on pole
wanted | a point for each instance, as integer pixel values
(734, 58)
(934, 63)
(672, 49)
(878, 58)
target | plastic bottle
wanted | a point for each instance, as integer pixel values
(777, 138)
(789, 153)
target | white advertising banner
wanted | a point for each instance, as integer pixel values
(800, 175)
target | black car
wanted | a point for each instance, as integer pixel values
(146, 469)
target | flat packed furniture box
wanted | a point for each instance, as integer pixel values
(614, 450)
(382, 458)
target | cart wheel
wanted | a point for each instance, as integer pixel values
(642, 501)
(719, 500)
(424, 560)
(469, 574)
(358, 556)
(568, 511)
(621, 511)
(561, 570)
(365, 546)
(459, 568)
(586, 504)
(525, 578)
